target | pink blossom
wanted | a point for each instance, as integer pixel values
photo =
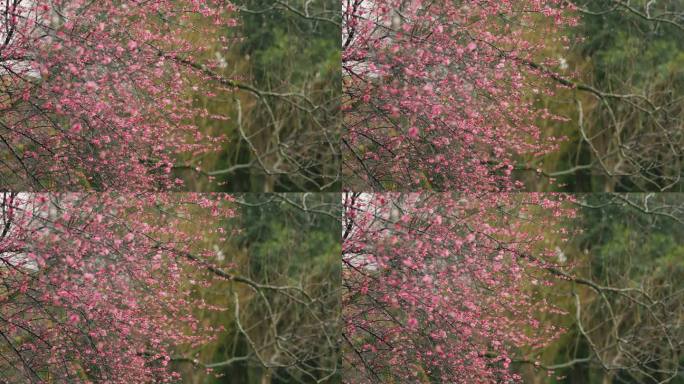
(446, 274)
(91, 295)
(413, 132)
(441, 75)
(74, 318)
(107, 67)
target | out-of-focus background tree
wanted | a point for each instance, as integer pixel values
(281, 87)
(625, 301)
(285, 328)
(624, 106)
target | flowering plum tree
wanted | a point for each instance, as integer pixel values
(438, 92)
(96, 287)
(95, 93)
(446, 288)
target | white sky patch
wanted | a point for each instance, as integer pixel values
(561, 255)
(219, 253)
(13, 258)
(24, 12)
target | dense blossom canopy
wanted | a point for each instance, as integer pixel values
(97, 288)
(95, 93)
(446, 288)
(440, 93)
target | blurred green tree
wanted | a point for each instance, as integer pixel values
(285, 124)
(625, 304)
(283, 335)
(626, 122)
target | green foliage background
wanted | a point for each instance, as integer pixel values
(617, 52)
(279, 51)
(275, 243)
(621, 246)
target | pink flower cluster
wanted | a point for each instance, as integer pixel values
(95, 93)
(438, 92)
(440, 286)
(95, 286)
